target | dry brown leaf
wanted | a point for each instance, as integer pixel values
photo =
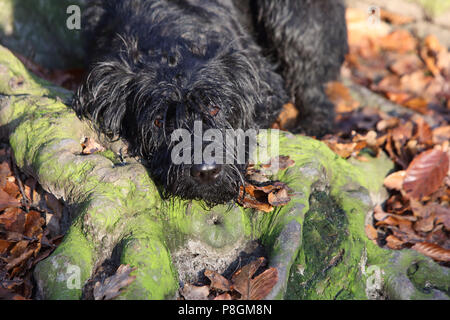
(223, 296)
(424, 135)
(390, 83)
(13, 220)
(254, 288)
(415, 82)
(441, 134)
(191, 292)
(262, 284)
(257, 197)
(33, 224)
(388, 123)
(371, 232)
(111, 287)
(6, 294)
(11, 187)
(379, 214)
(287, 118)
(399, 97)
(433, 251)
(4, 246)
(344, 149)
(91, 146)
(394, 243)
(443, 216)
(277, 164)
(218, 281)
(241, 278)
(424, 224)
(279, 197)
(339, 94)
(395, 180)
(12, 263)
(430, 53)
(407, 64)
(399, 40)
(426, 173)
(387, 221)
(7, 201)
(395, 18)
(5, 171)
(417, 104)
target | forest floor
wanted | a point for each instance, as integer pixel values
(394, 97)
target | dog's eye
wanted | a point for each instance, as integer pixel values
(214, 111)
(172, 61)
(164, 59)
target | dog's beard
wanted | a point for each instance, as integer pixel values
(176, 181)
(223, 190)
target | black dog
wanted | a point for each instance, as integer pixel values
(161, 65)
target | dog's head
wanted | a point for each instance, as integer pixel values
(178, 106)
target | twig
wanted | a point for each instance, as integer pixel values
(25, 201)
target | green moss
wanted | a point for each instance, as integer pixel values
(155, 276)
(71, 263)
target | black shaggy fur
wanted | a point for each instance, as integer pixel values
(158, 65)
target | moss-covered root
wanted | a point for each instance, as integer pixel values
(155, 276)
(408, 275)
(62, 276)
(324, 223)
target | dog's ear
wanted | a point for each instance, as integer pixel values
(103, 96)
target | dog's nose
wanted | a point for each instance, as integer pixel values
(206, 173)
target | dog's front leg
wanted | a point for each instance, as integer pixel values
(309, 40)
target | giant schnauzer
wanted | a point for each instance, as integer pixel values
(161, 65)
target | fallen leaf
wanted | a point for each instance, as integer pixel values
(6, 294)
(277, 164)
(13, 219)
(407, 64)
(4, 245)
(395, 180)
(218, 281)
(254, 288)
(394, 243)
(433, 251)
(191, 292)
(223, 296)
(425, 224)
(262, 284)
(33, 224)
(7, 201)
(287, 118)
(426, 173)
(395, 18)
(241, 279)
(399, 40)
(441, 134)
(339, 94)
(91, 146)
(112, 286)
(371, 232)
(424, 135)
(260, 197)
(278, 197)
(417, 104)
